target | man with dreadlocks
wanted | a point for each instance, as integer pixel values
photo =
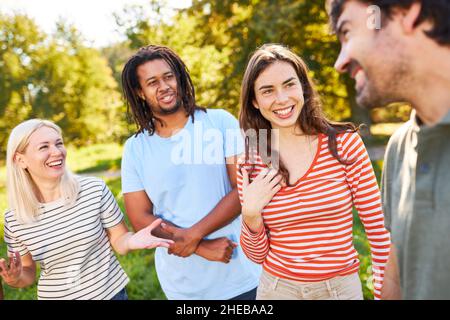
(197, 198)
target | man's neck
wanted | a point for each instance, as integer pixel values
(172, 123)
(431, 95)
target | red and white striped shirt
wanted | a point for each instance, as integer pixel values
(307, 234)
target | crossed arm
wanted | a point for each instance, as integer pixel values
(190, 240)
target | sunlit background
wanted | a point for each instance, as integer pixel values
(62, 60)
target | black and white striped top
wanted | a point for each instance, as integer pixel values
(71, 245)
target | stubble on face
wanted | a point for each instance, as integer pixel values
(165, 111)
(387, 72)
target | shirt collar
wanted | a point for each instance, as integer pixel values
(417, 123)
(445, 120)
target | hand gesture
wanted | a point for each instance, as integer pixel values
(185, 241)
(11, 269)
(220, 249)
(258, 193)
(144, 239)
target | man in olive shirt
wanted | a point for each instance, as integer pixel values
(403, 55)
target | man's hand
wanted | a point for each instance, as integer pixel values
(220, 249)
(186, 241)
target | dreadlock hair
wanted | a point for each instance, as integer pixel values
(138, 107)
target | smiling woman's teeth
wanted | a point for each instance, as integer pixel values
(283, 112)
(55, 163)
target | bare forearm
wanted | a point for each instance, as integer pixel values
(144, 220)
(223, 213)
(391, 289)
(121, 244)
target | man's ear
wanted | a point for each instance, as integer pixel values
(410, 17)
(19, 159)
(255, 104)
(140, 94)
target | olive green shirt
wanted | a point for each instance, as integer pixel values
(416, 202)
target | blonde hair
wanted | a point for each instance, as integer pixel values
(21, 188)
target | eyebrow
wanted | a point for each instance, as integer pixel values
(47, 142)
(154, 77)
(340, 27)
(270, 86)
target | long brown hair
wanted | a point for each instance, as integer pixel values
(140, 111)
(311, 121)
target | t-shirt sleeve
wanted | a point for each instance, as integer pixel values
(233, 140)
(131, 181)
(13, 243)
(110, 212)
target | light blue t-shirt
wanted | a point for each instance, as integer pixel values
(185, 176)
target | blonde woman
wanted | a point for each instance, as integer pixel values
(67, 224)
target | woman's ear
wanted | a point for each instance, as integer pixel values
(19, 159)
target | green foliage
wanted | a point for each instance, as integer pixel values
(58, 78)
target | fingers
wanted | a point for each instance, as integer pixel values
(154, 224)
(262, 174)
(168, 228)
(163, 244)
(275, 181)
(3, 265)
(12, 264)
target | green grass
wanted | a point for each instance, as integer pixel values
(100, 157)
(139, 265)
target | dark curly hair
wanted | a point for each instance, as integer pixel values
(436, 11)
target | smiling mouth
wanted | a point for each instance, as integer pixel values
(167, 98)
(284, 111)
(56, 163)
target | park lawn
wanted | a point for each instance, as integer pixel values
(139, 265)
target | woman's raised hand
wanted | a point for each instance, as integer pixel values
(257, 194)
(11, 269)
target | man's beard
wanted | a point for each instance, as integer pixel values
(382, 87)
(172, 110)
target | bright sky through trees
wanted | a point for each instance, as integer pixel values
(94, 18)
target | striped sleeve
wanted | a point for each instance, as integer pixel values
(254, 245)
(367, 201)
(11, 240)
(111, 214)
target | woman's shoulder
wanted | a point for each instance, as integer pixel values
(89, 182)
(349, 137)
(9, 215)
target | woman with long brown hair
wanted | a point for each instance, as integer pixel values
(298, 183)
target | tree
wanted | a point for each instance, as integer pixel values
(58, 78)
(21, 47)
